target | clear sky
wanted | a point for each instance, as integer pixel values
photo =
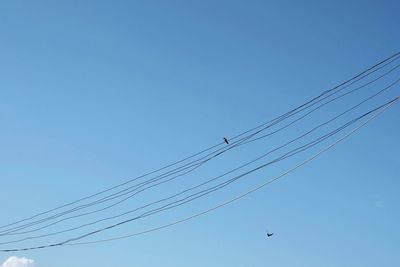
(95, 92)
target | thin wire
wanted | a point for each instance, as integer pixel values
(394, 57)
(208, 181)
(191, 167)
(222, 204)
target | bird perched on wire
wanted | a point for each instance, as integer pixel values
(226, 141)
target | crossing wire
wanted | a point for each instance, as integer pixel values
(235, 169)
(279, 118)
(71, 241)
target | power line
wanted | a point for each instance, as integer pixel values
(196, 164)
(208, 181)
(68, 242)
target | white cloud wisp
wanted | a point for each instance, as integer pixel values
(18, 262)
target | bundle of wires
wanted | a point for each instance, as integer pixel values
(343, 109)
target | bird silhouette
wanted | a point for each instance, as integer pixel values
(270, 234)
(226, 141)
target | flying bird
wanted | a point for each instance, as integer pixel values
(226, 141)
(270, 234)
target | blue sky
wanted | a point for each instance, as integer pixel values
(95, 92)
